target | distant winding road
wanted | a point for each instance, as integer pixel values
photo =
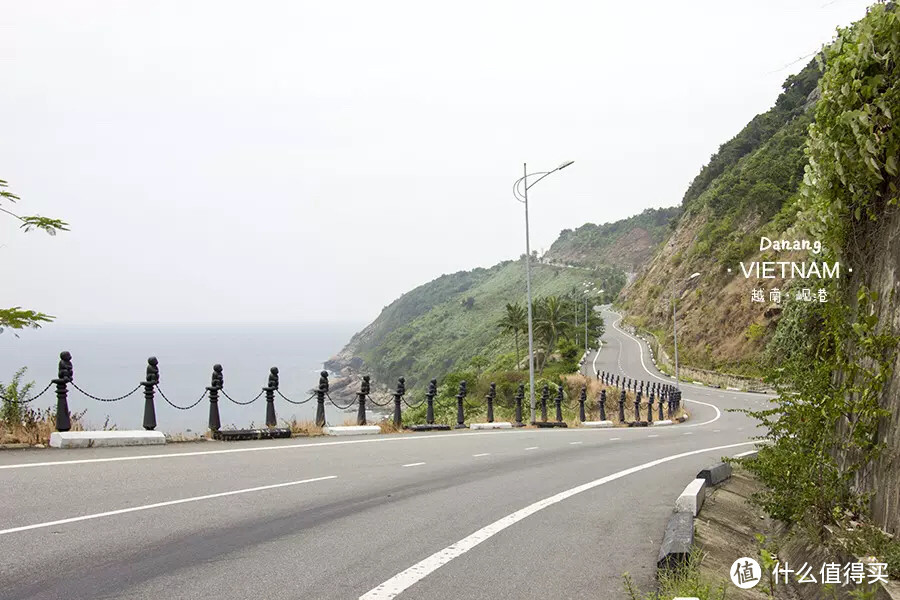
(476, 515)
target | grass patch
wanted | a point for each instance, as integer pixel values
(683, 581)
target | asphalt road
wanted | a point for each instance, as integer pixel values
(492, 515)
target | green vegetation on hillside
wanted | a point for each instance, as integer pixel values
(749, 188)
(626, 244)
(836, 361)
(441, 326)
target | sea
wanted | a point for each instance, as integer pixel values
(110, 360)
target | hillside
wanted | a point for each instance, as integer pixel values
(442, 325)
(749, 188)
(626, 244)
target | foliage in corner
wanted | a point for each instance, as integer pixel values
(835, 359)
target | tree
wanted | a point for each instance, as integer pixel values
(515, 321)
(550, 324)
(13, 393)
(18, 317)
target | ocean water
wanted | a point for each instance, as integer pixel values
(110, 360)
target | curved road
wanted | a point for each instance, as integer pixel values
(475, 515)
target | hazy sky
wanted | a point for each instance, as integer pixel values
(294, 161)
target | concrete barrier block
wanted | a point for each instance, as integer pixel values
(597, 424)
(677, 541)
(94, 439)
(715, 474)
(352, 430)
(662, 423)
(498, 425)
(691, 499)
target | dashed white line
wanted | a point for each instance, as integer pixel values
(482, 454)
(614, 439)
(532, 448)
(122, 511)
(688, 433)
(573, 443)
(418, 464)
(394, 586)
(653, 435)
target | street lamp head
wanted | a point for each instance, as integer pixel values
(564, 165)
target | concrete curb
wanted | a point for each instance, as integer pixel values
(94, 439)
(597, 424)
(498, 425)
(678, 539)
(662, 423)
(691, 499)
(352, 430)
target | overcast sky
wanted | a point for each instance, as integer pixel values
(296, 161)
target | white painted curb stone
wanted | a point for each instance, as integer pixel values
(498, 425)
(352, 430)
(597, 424)
(662, 423)
(94, 439)
(747, 454)
(691, 499)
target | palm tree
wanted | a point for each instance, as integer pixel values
(514, 321)
(551, 324)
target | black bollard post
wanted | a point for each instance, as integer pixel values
(64, 375)
(650, 407)
(520, 394)
(581, 400)
(460, 412)
(661, 417)
(545, 395)
(398, 398)
(364, 388)
(492, 392)
(429, 402)
(598, 375)
(270, 388)
(321, 392)
(637, 406)
(622, 406)
(149, 383)
(216, 383)
(559, 401)
(602, 406)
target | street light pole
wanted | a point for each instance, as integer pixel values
(524, 199)
(528, 291)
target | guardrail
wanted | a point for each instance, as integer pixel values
(643, 395)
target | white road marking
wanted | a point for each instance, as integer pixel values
(573, 443)
(404, 438)
(743, 454)
(403, 580)
(414, 464)
(716, 430)
(688, 433)
(482, 454)
(532, 448)
(653, 435)
(122, 511)
(614, 439)
(643, 364)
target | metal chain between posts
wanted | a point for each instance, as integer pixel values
(173, 405)
(242, 403)
(338, 406)
(387, 402)
(408, 405)
(311, 396)
(91, 396)
(11, 401)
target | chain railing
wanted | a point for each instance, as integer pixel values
(656, 400)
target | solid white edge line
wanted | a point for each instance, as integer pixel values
(644, 365)
(123, 511)
(405, 579)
